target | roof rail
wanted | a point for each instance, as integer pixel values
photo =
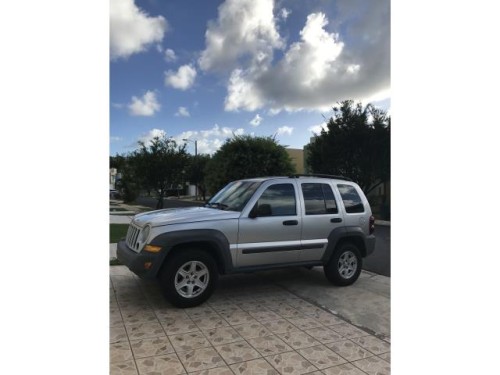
(321, 176)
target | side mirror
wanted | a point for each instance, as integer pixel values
(260, 211)
(253, 212)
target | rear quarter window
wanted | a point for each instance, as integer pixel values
(352, 201)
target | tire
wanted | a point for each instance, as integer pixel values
(345, 265)
(189, 278)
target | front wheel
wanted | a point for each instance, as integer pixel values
(345, 265)
(189, 278)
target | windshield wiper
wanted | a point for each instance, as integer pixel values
(218, 205)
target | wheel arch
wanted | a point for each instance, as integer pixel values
(203, 245)
(212, 241)
(339, 236)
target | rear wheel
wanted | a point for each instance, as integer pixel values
(345, 265)
(189, 278)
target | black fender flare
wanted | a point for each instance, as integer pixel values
(215, 238)
(340, 233)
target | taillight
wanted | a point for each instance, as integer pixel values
(372, 224)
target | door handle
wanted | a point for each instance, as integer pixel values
(336, 220)
(291, 222)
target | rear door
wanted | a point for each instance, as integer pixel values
(321, 216)
(273, 235)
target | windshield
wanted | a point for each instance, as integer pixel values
(234, 196)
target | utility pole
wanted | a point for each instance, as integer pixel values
(195, 141)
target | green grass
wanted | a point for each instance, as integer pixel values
(117, 232)
(115, 262)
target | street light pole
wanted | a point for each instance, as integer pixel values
(196, 157)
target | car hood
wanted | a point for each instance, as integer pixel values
(182, 215)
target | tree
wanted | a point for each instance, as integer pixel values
(118, 161)
(246, 157)
(356, 145)
(196, 172)
(158, 165)
(127, 184)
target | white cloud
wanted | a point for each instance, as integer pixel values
(316, 129)
(221, 132)
(182, 112)
(170, 55)
(243, 28)
(242, 93)
(210, 140)
(115, 139)
(285, 130)
(183, 79)
(322, 67)
(132, 30)
(256, 120)
(147, 106)
(148, 137)
(284, 13)
(312, 57)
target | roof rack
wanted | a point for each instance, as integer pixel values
(321, 176)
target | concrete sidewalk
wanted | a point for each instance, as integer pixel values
(250, 325)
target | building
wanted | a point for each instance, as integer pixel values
(297, 156)
(112, 178)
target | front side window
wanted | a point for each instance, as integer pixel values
(319, 199)
(352, 201)
(277, 200)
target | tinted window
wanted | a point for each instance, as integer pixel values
(352, 200)
(319, 199)
(277, 200)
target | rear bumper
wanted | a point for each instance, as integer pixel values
(370, 244)
(137, 262)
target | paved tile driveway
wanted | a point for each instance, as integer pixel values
(249, 326)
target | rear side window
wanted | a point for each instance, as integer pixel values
(319, 199)
(352, 201)
(278, 200)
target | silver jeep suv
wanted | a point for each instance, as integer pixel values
(251, 225)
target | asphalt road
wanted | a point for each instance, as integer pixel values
(378, 262)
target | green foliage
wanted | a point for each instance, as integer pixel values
(127, 185)
(246, 157)
(159, 165)
(354, 146)
(195, 173)
(117, 161)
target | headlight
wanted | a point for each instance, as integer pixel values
(145, 234)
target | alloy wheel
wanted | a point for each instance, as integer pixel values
(191, 279)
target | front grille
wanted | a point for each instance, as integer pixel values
(132, 235)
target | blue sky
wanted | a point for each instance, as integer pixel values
(205, 70)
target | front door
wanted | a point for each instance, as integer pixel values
(270, 232)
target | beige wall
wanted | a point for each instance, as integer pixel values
(297, 156)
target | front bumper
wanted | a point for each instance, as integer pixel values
(138, 262)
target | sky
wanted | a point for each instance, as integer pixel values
(209, 70)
